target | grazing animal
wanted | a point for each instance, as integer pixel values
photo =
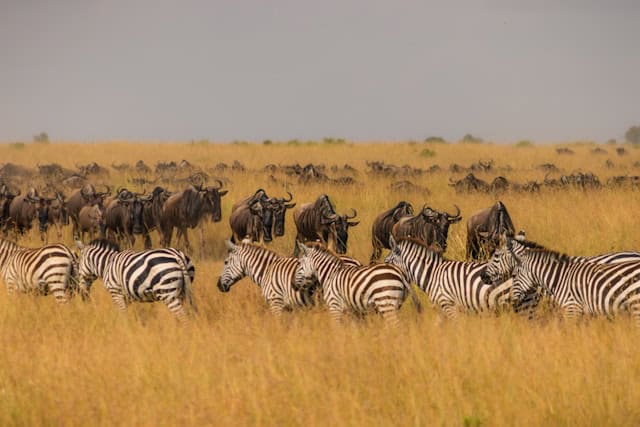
(278, 207)
(53, 211)
(187, 209)
(484, 229)
(85, 196)
(6, 197)
(252, 221)
(91, 220)
(453, 286)
(502, 264)
(274, 274)
(469, 184)
(577, 287)
(357, 289)
(123, 216)
(428, 225)
(315, 221)
(164, 275)
(39, 271)
(383, 224)
(23, 210)
(152, 212)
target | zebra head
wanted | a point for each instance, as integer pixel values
(504, 260)
(234, 268)
(305, 277)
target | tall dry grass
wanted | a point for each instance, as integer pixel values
(233, 364)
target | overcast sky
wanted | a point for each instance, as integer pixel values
(365, 70)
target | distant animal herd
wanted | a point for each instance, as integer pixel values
(517, 275)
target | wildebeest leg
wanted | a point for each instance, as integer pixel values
(75, 228)
(147, 240)
(59, 231)
(377, 250)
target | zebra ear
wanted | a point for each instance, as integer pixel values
(302, 248)
(520, 237)
(230, 246)
(79, 244)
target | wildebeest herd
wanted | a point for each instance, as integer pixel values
(517, 274)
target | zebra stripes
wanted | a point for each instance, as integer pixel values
(38, 271)
(164, 275)
(274, 274)
(357, 289)
(451, 285)
(577, 287)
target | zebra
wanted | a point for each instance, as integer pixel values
(164, 274)
(501, 265)
(577, 287)
(38, 271)
(273, 273)
(382, 287)
(451, 285)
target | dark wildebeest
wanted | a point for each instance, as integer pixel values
(341, 226)
(91, 220)
(484, 229)
(382, 226)
(278, 207)
(499, 185)
(6, 197)
(251, 220)
(23, 210)
(85, 196)
(429, 226)
(53, 211)
(152, 212)
(123, 216)
(187, 209)
(469, 184)
(316, 222)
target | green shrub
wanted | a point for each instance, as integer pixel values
(435, 140)
(470, 139)
(427, 153)
(524, 143)
(267, 142)
(612, 141)
(41, 138)
(17, 146)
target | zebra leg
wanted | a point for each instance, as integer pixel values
(389, 312)
(572, 312)
(56, 287)
(116, 296)
(276, 306)
(336, 313)
(175, 306)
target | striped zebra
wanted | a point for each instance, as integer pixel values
(39, 270)
(273, 273)
(451, 285)
(576, 287)
(358, 289)
(501, 264)
(164, 274)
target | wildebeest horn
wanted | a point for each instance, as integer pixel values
(220, 184)
(355, 213)
(18, 192)
(457, 215)
(290, 197)
(120, 190)
(106, 193)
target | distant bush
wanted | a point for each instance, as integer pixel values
(200, 142)
(612, 141)
(435, 140)
(427, 153)
(334, 141)
(267, 142)
(295, 142)
(470, 139)
(524, 143)
(41, 138)
(17, 146)
(240, 142)
(632, 135)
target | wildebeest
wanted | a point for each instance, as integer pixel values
(53, 211)
(85, 196)
(6, 197)
(152, 212)
(123, 216)
(278, 207)
(316, 221)
(621, 151)
(251, 220)
(408, 187)
(484, 229)
(91, 220)
(499, 185)
(187, 209)
(598, 150)
(341, 226)
(91, 168)
(469, 184)
(429, 226)
(23, 210)
(383, 224)
(563, 150)
(141, 167)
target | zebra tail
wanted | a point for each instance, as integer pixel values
(414, 296)
(186, 289)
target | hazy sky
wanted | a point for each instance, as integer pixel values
(366, 70)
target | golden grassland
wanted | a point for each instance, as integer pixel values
(233, 364)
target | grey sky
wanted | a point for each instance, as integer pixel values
(224, 70)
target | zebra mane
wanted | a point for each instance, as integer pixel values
(257, 245)
(555, 255)
(323, 248)
(529, 244)
(415, 240)
(105, 243)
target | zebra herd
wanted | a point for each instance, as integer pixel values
(518, 274)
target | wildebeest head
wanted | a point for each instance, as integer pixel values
(6, 197)
(134, 208)
(342, 225)
(496, 223)
(52, 210)
(278, 208)
(210, 197)
(441, 222)
(401, 210)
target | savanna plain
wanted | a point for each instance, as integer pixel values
(234, 364)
